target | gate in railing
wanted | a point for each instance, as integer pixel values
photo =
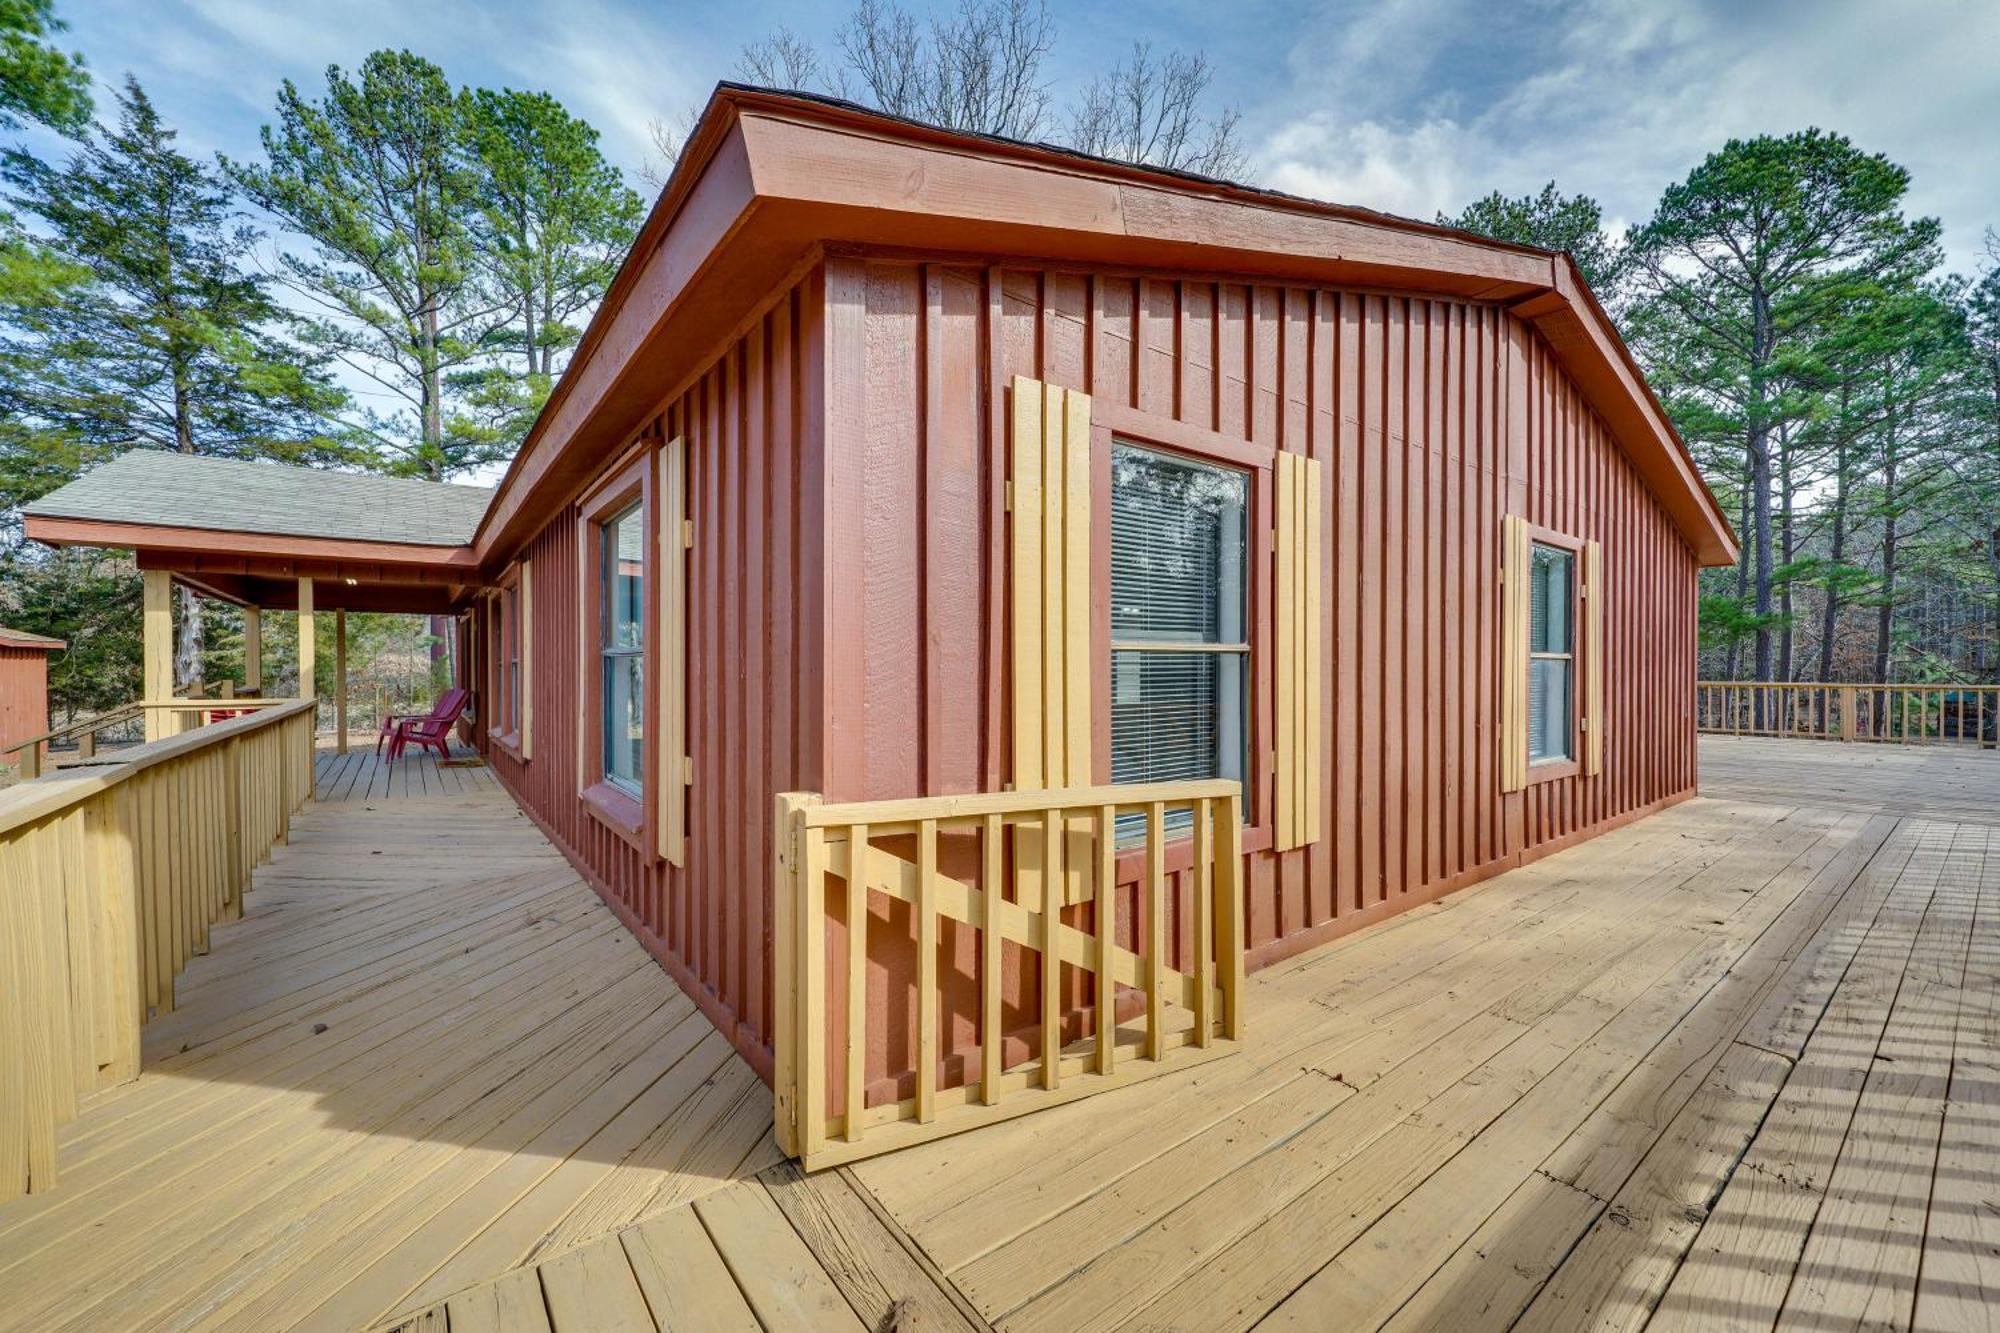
(1031, 859)
(110, 876)
(1896, 714)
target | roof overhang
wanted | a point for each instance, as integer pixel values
(261, 569)
(769, 179)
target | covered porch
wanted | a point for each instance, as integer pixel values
(310, 545)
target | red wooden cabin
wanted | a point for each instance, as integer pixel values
(901, 463)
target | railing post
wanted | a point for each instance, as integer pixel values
(232, 843)
(31, 761)
(1847, 712)
(1229, 915)
(787, 847)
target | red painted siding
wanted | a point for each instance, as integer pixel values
(24, 693)
(1434, 418)
(847, 608)
(752, 680)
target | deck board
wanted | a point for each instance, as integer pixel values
(426, 1033)
(1733, 1065)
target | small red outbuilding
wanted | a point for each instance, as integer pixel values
(24, 684)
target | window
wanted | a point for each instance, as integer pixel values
(510, 619)
(1179, 639)
(621, 647)
(1551, 653)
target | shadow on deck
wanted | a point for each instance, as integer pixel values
(1732, 1065)
(427, 1054)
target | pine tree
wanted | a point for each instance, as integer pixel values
(1554, 221)
(38, 81)
(554, 223)
(165, 338)
(1734, 254)
(379, 177)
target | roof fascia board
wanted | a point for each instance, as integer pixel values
(706, 202)
(52, 530)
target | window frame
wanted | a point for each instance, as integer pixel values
(634, 511)
(629, 481)
(1569, 766)
(1111, 423)
(506, 722)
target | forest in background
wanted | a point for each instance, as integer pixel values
(396, 278)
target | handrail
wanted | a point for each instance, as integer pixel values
(188, 698)
(110, 876)
(1882, 712)
(1034, 866)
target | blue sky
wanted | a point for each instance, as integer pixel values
(1405, 105)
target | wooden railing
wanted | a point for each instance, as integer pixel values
(29, 757)
(110, 875)
(1900, 714)
(1025, 855)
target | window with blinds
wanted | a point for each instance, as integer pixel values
(1551, 652)
(1179, 644)
(621, 653)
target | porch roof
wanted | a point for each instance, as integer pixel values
(158, 489)
(248, 532)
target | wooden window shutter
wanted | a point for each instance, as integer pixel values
(676, 537)
(1050, 594)
(526, 631)
(1513, 653)
(1300, 651)
(1593, 659)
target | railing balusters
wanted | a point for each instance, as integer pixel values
(991, 1039)
(927, 971)
(824, 1126)
(1052, 896)
(1106, 923)
(1229, 916)
(109, 883)
(1156, 929)
(857, 978)
(812, 971)
(1878, 712)
(1201, 903)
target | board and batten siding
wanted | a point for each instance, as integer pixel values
(752, 681)
(1431, 418)
(848, 599)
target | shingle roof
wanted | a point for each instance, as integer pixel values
(157, 488)
(20, 638)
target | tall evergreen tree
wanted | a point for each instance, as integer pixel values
(38, 80)
(169, 339)
(1734, 253)
(1553, 221)
(379, 176)
(555, 221)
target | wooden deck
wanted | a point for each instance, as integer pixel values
(362, 775)
(1733, 1066)
(427, 1054)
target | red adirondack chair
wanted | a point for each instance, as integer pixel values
(431, 729)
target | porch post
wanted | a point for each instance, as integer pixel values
(156, 679)
(340, 680)
(253, 649)
(307, 688)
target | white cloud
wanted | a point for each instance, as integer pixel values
(1417, 106)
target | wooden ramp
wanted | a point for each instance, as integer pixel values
(426, 1055)
(1734, 1067)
